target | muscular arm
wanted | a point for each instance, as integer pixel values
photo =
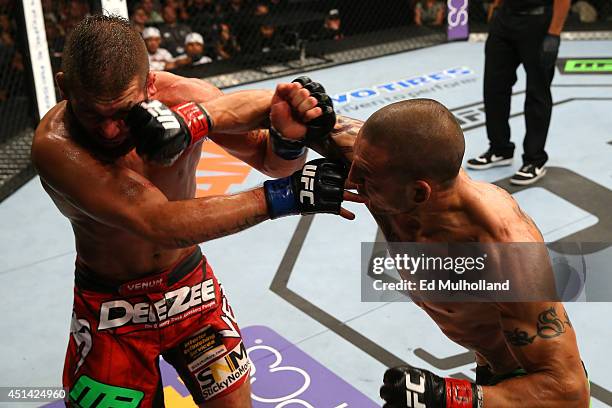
(237, 120)
(560, 10)
(541, 337)
(119, 197)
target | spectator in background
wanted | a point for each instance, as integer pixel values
(267, 39)
(235, 14)
(159, 58)
(585, 11)
(202, 15)
(332, 27)
(173, 33)
(49, 11)
(139, 18)
(226, 45)
(7, 37)
(429, 12)
(261, 9)
(194, 51)
(12, 77)
(180, 8)
(153, 16)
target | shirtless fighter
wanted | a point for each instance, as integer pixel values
(406, 160)
(120, 165)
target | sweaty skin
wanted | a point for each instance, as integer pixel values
(537, 336)
(132, 217)
(129, 216)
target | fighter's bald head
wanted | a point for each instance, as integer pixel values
(422, 138)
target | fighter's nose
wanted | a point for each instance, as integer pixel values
(109, 130)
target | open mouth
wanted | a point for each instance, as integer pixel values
(114, 142)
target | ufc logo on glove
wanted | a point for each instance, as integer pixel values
(163, 114)
(413, 391)
(308, 178)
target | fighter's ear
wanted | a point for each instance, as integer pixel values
(422, 191)
(150, 86)
(60, 80)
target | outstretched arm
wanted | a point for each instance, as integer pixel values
(541, 337)
(121, 198)
(248, 141)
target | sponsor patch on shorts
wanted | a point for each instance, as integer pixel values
(221, 374)
(202, 348)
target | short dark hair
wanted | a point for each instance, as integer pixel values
(103, 55)
(422, 137)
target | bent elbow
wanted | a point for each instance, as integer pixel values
(576, 392)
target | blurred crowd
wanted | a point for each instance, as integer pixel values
(194, 32)
(181, 33)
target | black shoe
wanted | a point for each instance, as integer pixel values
(488, 160)
(529, 173)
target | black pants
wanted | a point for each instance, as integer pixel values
(513, 40)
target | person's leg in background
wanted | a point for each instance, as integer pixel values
(538, 101)
(501, 62)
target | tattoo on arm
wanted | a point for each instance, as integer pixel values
(339, 144)
(549, 326)
(518, 337)
(347, 125)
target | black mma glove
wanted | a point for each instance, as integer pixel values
(316, 129)
(163, 133)
(549, 50)
(317, 188)
(410, 387)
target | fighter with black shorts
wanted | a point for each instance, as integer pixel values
(406, 161)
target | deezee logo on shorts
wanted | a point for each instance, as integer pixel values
(177, 304)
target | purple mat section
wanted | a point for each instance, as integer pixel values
(285, 376)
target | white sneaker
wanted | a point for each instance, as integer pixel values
(488, 160)
(529, 173)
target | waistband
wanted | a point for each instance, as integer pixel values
(88, 280)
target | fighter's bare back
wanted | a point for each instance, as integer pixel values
(475, 222)
(486, 213)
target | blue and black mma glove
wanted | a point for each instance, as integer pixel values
(317, 188)
(316, 129)
(411, 387)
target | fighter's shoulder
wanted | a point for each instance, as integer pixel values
(505, 219)
(53, 144)
(171, 87)
(51, 132)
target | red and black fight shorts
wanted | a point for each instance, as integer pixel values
(118, 333)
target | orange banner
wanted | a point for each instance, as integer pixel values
(218, 170)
